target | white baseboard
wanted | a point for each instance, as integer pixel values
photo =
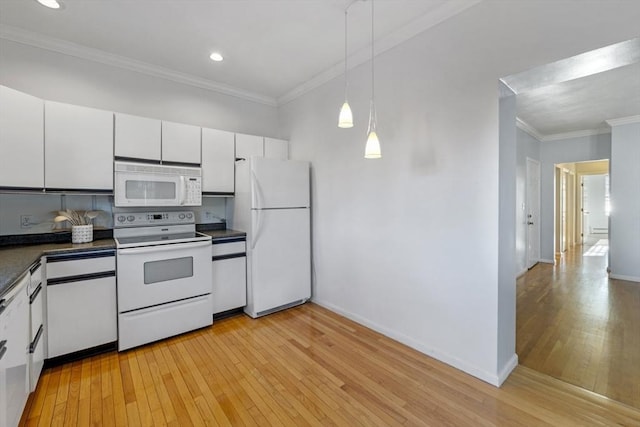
(507, 369)
(547, 261)
(491, 378)
(522, 273)
(622, 277)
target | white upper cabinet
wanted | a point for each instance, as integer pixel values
(137, 137)
(248, 146)
(78, 147)
(21, 139)
(180, 143)
(276, 148)
(218, 161)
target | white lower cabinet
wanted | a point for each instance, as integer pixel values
(81, 308)
(14, 360)
(229, 275)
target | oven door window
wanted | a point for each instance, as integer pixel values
(150, 190)
(168, 269)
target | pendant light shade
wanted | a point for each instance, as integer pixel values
(372, 148)
(345, 119)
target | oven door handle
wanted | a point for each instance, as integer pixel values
(165, 248)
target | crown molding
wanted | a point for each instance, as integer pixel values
(623, 121)
(575, 134)
(565, 135)
(529, 129)
(412, 29)
(30, 38)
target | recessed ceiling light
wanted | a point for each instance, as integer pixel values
(51, 4)
(215, 56)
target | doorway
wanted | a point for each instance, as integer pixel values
(582, 206)
(595, 211)
(573, 322)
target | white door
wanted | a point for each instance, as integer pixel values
(180, 143)
(78, 147)
(595, 220)
(137, 137)
(279, 183)
(21, 139)
(533, 212)
(218, 161)
(281, 258)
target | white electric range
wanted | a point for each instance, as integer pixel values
(163, 275)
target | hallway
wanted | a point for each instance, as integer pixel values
(575, 324)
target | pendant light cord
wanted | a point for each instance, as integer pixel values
(372, 56)
(345, 53)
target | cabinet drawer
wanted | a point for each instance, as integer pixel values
(80, 264)
(221, 249)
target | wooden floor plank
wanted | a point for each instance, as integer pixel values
(576, 324)
(304, 366)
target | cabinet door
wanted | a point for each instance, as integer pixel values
(180, 143)
(218, 161)
(229, 284)
(276, 149)
(248, 146)
(81, 315)
(14, 363)
(78, 147)
(21, 139)
(137, 137)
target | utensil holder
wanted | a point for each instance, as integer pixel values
(82, 233)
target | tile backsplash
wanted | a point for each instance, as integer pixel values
(34, 213)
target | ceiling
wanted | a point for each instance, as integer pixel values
(276, 50)
(579, 94)
(271, 47)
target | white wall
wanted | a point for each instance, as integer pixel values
(624, 226)
(527, 147)
(594, 147)
(409, 244)
(507, 230)
(57, 77)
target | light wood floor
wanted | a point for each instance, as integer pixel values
(304, 366)
(577, 325)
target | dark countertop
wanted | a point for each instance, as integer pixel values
(15, 260)
(224, 234)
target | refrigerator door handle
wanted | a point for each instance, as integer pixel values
(258, 199)
(257, 228)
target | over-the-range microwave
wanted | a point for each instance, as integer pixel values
(141, 184)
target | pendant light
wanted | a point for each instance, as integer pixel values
(345, 119)
(372, 148)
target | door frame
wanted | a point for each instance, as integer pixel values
(535, 198)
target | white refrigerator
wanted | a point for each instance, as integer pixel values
(272, 205)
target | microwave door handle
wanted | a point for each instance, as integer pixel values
(183, 191)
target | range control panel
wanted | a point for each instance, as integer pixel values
(143, 219)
